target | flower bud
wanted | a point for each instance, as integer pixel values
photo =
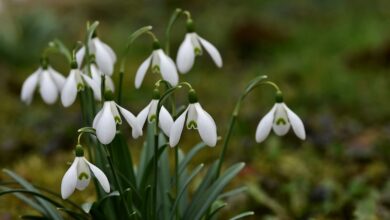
(79, 151)
(279, 97)
(192, 97)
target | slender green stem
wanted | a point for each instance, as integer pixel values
(116, 178)
(120, 84)
(177, 181)
(172, 20)
(155, 179)
(251, 85)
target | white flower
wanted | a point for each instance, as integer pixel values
(97, 77)
(280, 118)
(165, 120)
(50, 84)
(160, 63)
(106, 119)
(78, 177)
(197, 118)
(191, 47)
(76, 82)
(104, 55)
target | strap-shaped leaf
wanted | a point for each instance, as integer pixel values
(233, 192)
(188, 157)
(198, 208)
(242, 215)
(32, 203)
(50, 209)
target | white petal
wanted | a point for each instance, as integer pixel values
(83, 174)
(68, 183)
(94, 86)
(48, 88)
(100, 176)
(206, 126)
(281, 124)
(153, 110)
(141, 118)
(109, 84)
(29, 86)
(186, 55)
(265, 125)
(80, 56)
(192, 117)
(69, 92)
(103, 58)
(108, 49)
(168, 68)
(58, 78)
(177, 129)
(97, 118)
(106, 126)
(212, 51)
(132, 121)
(165, 121)
(140, 75)
(296, 123)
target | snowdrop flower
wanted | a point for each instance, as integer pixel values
(280, 119)
(49, 81)
(165, 120)
(104, 55)
(78, 175)
(160, 63)
(191, 47)
(108, 117)
(76, 82)
(196, 118)
(97, 77)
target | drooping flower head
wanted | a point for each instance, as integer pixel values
(192, 47)
(280, 118)
(160, 63)
(75, 83)
(165, 120)
(196, 118)
(108, 117)
(49, 82)
(78, 175)
(104, 55)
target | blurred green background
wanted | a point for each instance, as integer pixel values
(331, 59)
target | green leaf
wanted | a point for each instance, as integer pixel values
(164, 182)
(188, 157)
(146, 153)
(366, 209)
(32, 203)
(50, 210)
(184, 187)
(216, 207)
(242, 215)
(233, 192)
(199, 207)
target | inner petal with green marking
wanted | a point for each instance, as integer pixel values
(192, 125)
(156, 69)
(281, 121)
(83, 175)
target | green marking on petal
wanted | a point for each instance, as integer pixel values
(192, 125)
(83, 175)
(152, 118)
(80, 87)
(198, 51)
(280, 121)
(118, 120)
(155, 69)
